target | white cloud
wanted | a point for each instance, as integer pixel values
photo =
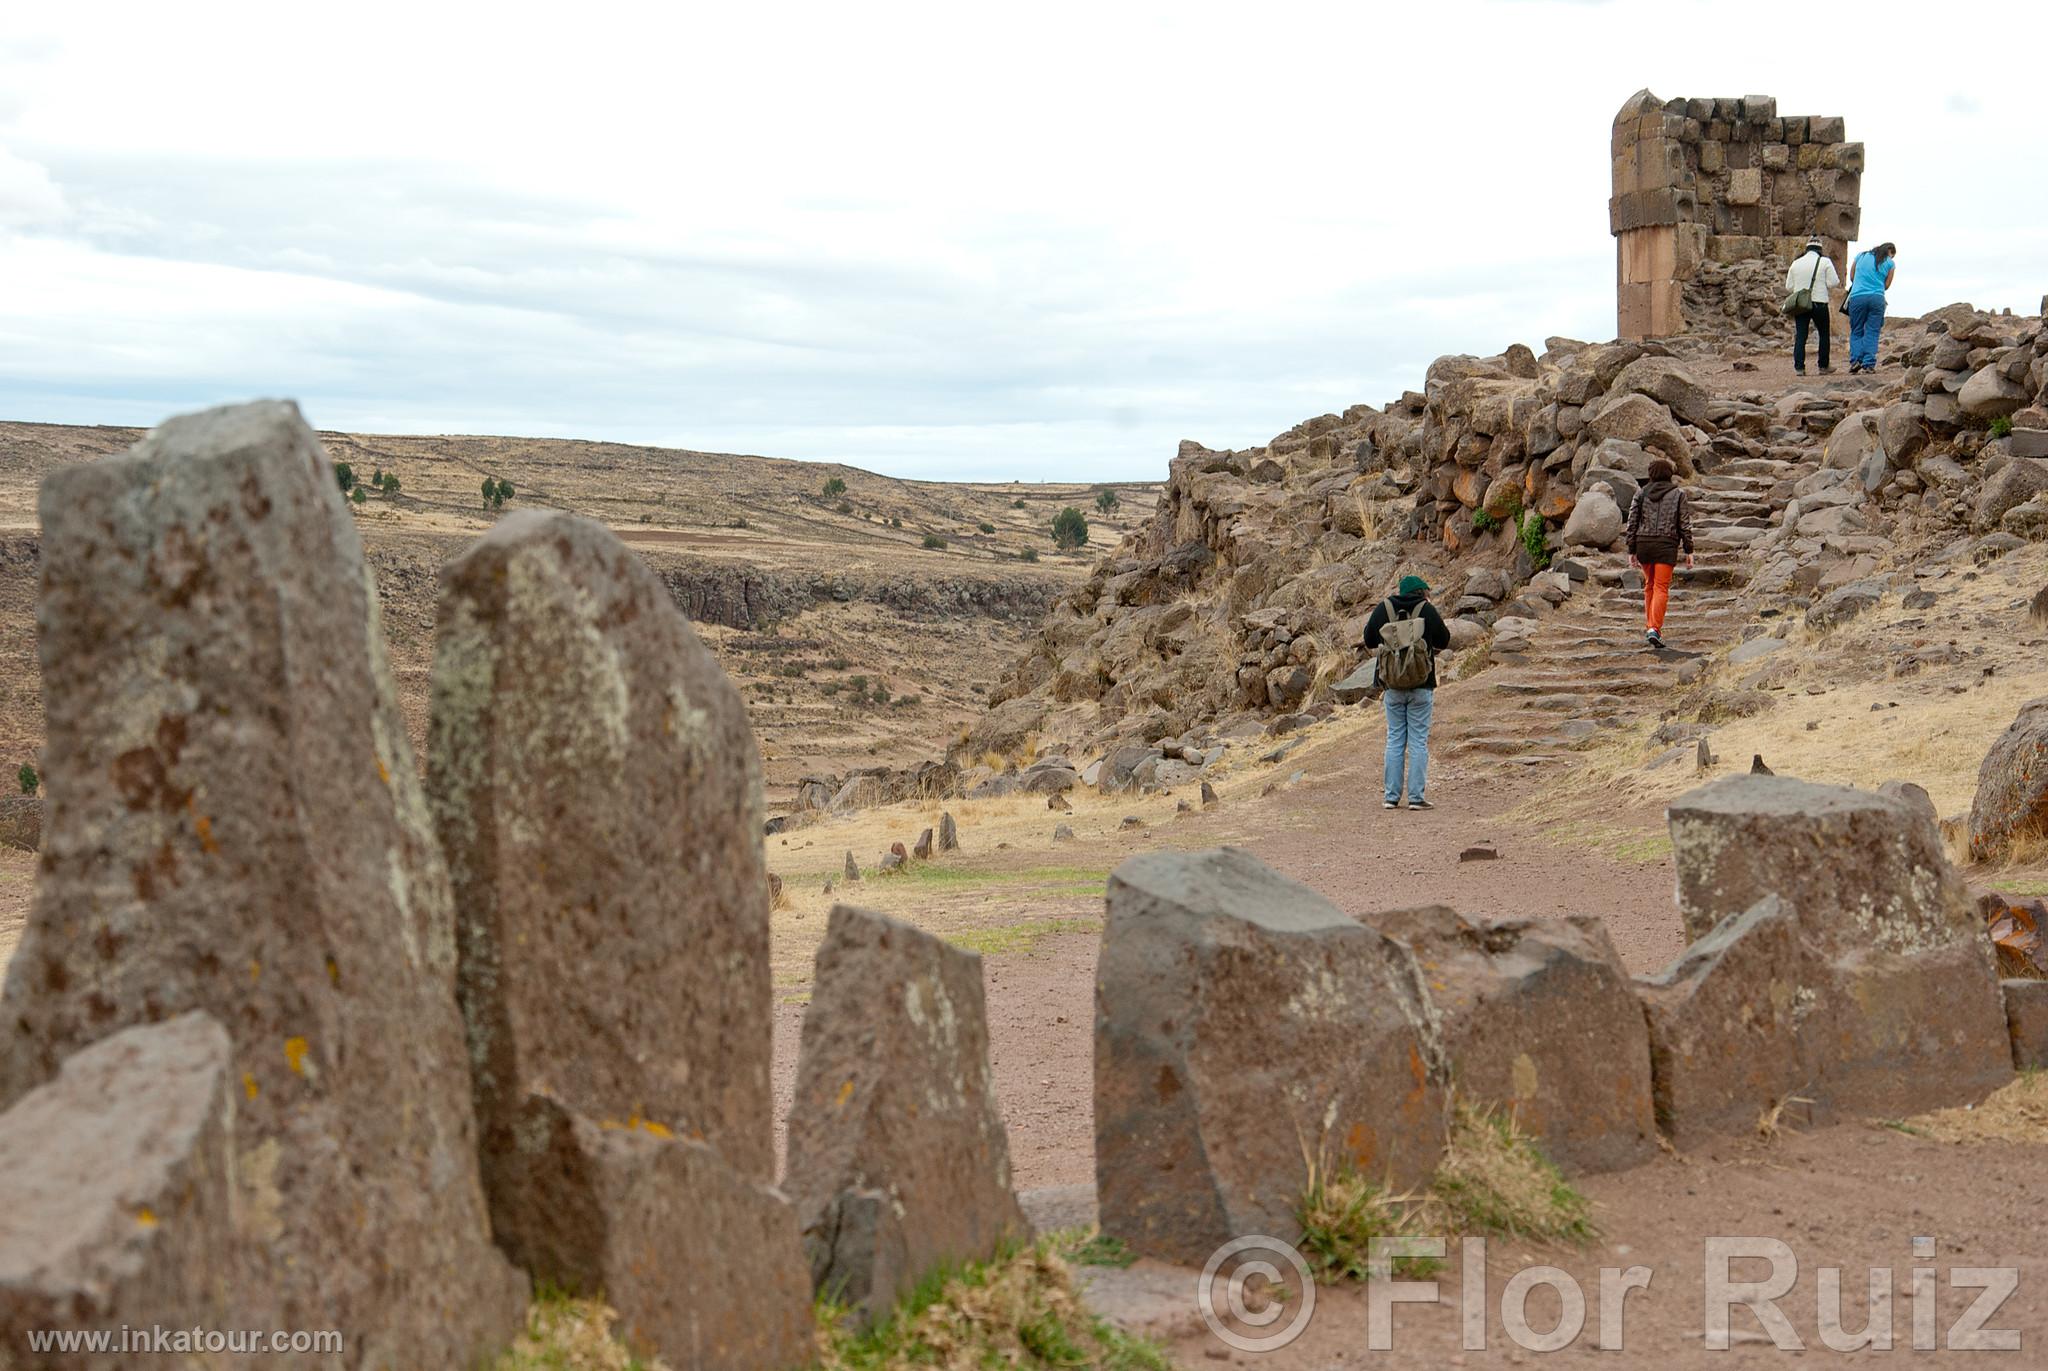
(937, 239)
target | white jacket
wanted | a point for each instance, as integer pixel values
(1822, 278)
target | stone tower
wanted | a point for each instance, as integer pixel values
(1703, 187)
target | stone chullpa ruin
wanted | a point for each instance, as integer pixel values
(1706, 190)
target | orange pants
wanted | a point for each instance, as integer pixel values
(1656, 592)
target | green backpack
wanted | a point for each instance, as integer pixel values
(1404, 660)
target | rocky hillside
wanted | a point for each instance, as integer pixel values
(1245, 595)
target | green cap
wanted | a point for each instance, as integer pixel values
(1414, 585)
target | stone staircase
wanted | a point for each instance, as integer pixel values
(1587, 669)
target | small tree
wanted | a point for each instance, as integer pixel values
(490, 492)
(359, 496)
(1105, 500)
(505, 491)
(1069, 529)
(28, 778)
(834, 486)
(1017, 503)
(935, 542)
(378, 479)
(391, 485)
(345, 476)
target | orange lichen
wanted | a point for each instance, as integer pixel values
(295, 1055)
(249, 1086)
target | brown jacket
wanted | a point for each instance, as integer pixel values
(1660, 523)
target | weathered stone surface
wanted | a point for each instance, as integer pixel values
(598, 794)
(1537, 1017)
(1670, 384)
(1844, 603)
(1639, 419)
(115, 1183)
(1724, 1043)
(1988, 394)
(1241, 1020)
(1861, 869)
(2018, 481)
(236, 825)
(1595, 521)
(2012, 786)
(2026, 1020)
(1905, 1013)
(949, 833)
(1358, 686)
(898, 1161)
(637, 1212)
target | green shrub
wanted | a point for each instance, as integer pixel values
(1069, 529)
(1105, 500)
(356, 494)
(390, 484)
(28, 778)
(1017, 503)
(505, 491)
(986, 527)
(490, 492)
(895, 521)
(345, 476)
(834, 486)
(1535, 540)
(1482, 522)
(935, 542)
(2001, 426)
(1029, 554)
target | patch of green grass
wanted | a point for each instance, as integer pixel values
(933, 873)
(1622, 844)
(565, 1333)
(1494, 1180)
(2022, 886)
(1901, 1126)
(1092, 1247)
(1020, 937)
(1019, 1310)
(1341, 1214)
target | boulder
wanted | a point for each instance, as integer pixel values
(2028, 521)
(1724, 1018)
(1899, 987)
(1596, 521)
(1988, 394)
(1358, 686)
(117, 1181)
(1538, 1018)
(1844, 603)
(2011, 804)
(898, 1162)
(1902, 432)
(1641, 420)
(949, 832)
(923, 850)
(1246, 1028)
(2018, 481)
(2026, 1021)
(236, 825)
(1666, 381)
(598, 795)
(642, 1205)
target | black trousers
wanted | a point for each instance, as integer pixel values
(1817, 316)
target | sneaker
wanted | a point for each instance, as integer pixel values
(1654, 638)
(1799, 371)
(1390, 804)
(1419, 803)
(1827, 371)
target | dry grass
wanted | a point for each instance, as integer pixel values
(565, 1334)
(1020, 1310)
(2018, 1113)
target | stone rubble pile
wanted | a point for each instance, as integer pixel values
(274, 1061)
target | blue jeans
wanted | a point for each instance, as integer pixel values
(1866, 319)
(1408, 714)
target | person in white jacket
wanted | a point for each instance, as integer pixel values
(1811, 271)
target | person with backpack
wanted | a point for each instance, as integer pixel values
(1869, 278)
(1807, 283)
(1659, 529)
(1406, 633)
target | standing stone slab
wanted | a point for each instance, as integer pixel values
(598, 793)
(1724, 1027)
(114, 1180)
(1538, 1018)
(236, 826)
(1243, 1025)
(2026, 1021)
(898, 1160)
(1898, 984)
(702, 1263)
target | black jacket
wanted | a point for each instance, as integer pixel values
(1660, 526)
(1433, 630)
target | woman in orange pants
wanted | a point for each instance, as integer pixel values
(1659, 530)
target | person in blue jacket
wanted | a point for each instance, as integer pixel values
(1869, 279)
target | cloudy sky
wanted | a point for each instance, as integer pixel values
(1011, 242)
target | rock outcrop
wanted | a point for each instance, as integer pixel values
(236, 826)
(898, 1160)
(2011, 804)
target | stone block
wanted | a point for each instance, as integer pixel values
(2026, 1020)
(1713, 158)
(236, 825)
(898, 1160)
(1745, 186)
(1776, 156)
(1245, 1027)
(1824, 128)
(2011, 801)
(1538, 1019)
